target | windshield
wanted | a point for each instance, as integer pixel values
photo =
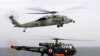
(41, 19)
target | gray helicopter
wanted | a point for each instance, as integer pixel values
(48, 20)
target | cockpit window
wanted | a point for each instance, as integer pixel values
(41, 19)
(67, 46)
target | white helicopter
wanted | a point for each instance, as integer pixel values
(52, 19)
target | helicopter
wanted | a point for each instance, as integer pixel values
(50, 48)
(48, 20)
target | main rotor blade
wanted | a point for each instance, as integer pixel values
(63, 39)
(77, 40)
(72, 8)
(37, 13)
(43, 11)
(75, 8)
(52, 12)
(39, 9)
(70, 39)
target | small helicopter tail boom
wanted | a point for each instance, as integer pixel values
(14, 21)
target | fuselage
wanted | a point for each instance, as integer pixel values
(47, 21)
(51, 48)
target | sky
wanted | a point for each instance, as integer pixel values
(86, 26)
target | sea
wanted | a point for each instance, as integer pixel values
(81, 51)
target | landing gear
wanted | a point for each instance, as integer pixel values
(51, 54)
(67, 55)
(24, 30)
(42, 54)
(60, 25)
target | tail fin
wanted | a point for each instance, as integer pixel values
(14, 21)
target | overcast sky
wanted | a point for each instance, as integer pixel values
(87, 26)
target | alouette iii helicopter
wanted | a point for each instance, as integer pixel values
(52, 19)
(51, 49)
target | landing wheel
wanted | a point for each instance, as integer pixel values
(58, 26)
(61, 25)
(24, 30)
(42, 54)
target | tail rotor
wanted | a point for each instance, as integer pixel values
(11, 14)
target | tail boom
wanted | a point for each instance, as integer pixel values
(14, 21)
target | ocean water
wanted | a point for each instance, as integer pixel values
(81, 51)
